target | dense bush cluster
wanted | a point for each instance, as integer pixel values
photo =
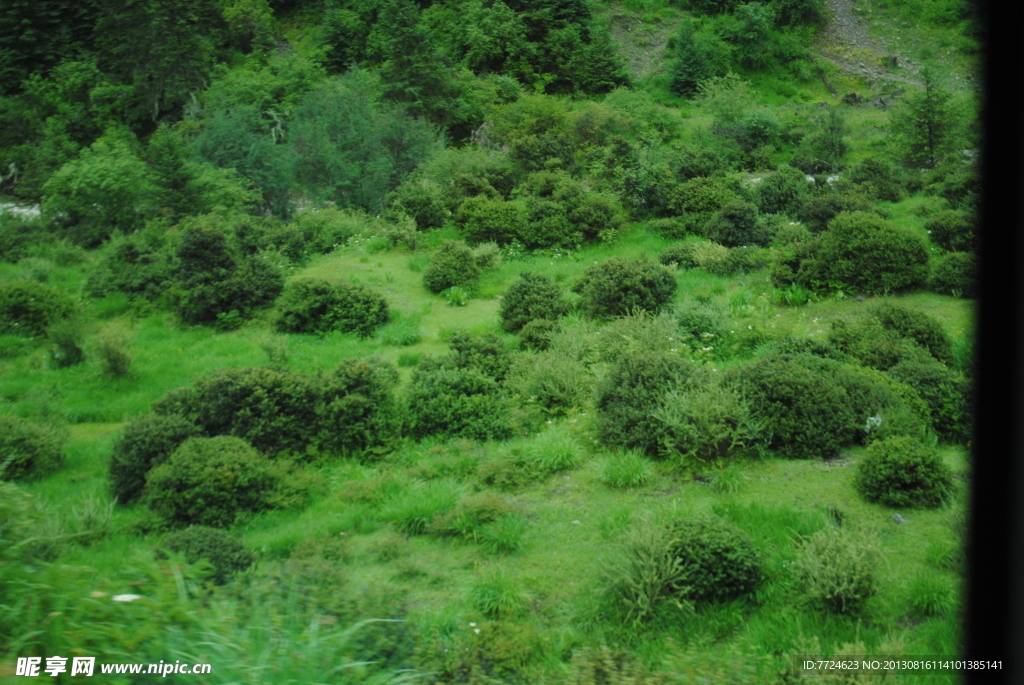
(809, 413)
(532, 297)
(903, 472)
(211, 482)
(716, 560)
(618, 286)
(28, 449)
(29, 308)
(451, 266)
(318, 306)
(860, 251)
(956, 274)
(350, 408)
(147, 442)
(837, 569)
(225, 554)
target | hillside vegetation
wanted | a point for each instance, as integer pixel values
(494, 343)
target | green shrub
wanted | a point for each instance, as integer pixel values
(918, 327)
(630, 395)
(349, 409)
(456, 296)
(884, 407)
(708, 421)
(138, 265)
(66, 336)
(225, 554)
(716, 560)
(864, 252)
(946, 392)
(879, 179)
(618, 286)
(680, 254)
(485, 219)
(28, 450)
(700, 196)
(627, 469)
(487, 255)
(318, 306)
(956, 274)
(736, 224)
(816, 212)
(101, 191)
(213, 280)
(703, 323)
(452, 265)
(836, 568)
(486, 353)
(555, 379)
(29, 308)
(809, 414)
(328, 228)
(782, 192)
(422, 200)
(536, 334)
(211, 482)
(531, 297)
(444, 399)
(147, 441)
(953, 230)
(903, 472)
(113, 352)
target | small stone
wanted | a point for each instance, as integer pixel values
(576, 523)
(896, 518)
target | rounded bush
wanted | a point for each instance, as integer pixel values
(956, 274)
(717, 561)
(816, 212)
(952, 230)
(318, 306)
(536, 334)
(680, 254)
(618, 286)
(918, 327)
(808, 413)
(486, 219)
(213, 280)
(864, 252)
(27, 449)
(736, 224)
(700, 195)
(836, 568)
(28, 308)
(530, 298)
(452, 265)
(627, 399)
(783, 191)
(421, 200)
(444, 399)
(946, 392)
(349, 408)
(211, 482)
(147, 442)
(223, 552)
(880, 180)
(903, 472)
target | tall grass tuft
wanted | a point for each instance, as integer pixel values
(628, 469)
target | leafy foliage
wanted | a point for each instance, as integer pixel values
(618, 286)
(452, 265)
(317, 306)
(27, 449)
(445, 399)
(531, 298)
(956, 274)
(211, 482)
(717, 561)
(953, 230)
(146, 442)
(836, 567)
(30, 308)
(903, 472)
(225, 554)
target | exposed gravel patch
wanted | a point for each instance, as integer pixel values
(848, 44)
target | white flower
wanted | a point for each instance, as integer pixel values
(126, 598)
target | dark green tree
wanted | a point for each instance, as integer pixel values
(927, 124)
(699, 56)
(36, 34)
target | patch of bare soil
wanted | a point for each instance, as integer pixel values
(641, 44)
(847, 43)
